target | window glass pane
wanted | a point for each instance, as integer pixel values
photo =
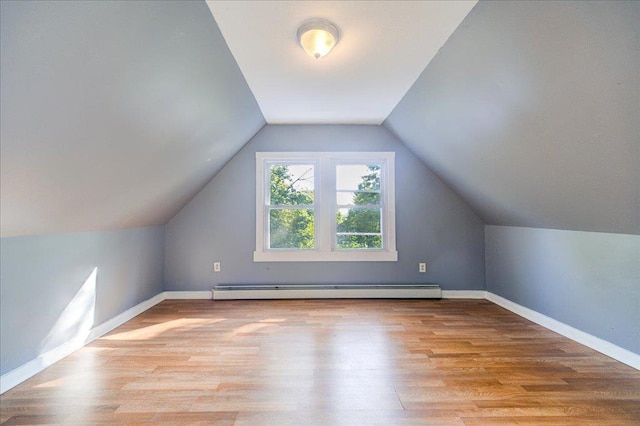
(358, 220)
(357, 198)
(289, 228)
(359, 242)
(358, 177)
(291, 184)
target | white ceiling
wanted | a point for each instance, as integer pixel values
(384, 47)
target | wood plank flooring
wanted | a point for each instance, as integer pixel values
(329, 362)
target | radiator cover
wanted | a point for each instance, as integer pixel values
(325, 291)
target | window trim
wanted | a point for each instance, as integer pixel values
(325, 187)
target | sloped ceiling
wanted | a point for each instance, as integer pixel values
(531, 111)
(113, 114)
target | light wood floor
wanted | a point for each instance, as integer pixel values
(329, 362)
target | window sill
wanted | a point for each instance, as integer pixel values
(316, 256)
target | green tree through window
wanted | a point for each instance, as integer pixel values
(291, 225)
(360, 227)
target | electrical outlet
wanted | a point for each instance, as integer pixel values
(216, 266)
(422, 267)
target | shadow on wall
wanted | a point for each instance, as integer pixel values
(77, 319)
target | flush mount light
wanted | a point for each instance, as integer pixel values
(317, 37)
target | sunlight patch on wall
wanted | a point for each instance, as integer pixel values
(75, 322)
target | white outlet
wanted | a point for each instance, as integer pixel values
(422, 267)
(216, 266)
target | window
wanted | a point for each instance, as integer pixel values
(323, 206)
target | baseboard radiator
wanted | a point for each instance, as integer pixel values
(325, 291)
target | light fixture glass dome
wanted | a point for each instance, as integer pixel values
(317, 37)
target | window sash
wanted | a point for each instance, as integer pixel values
(383, 163)
(268, 164)
(270, 237)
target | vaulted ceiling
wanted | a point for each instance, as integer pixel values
(115, 114)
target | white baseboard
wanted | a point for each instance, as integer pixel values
(593, 342)
(180, 295)
(464, 294)
(446, 294)
(47, 359)
(33, 367)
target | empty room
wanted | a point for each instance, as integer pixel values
(320, 212)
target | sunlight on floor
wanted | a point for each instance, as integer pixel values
(250, 328)
(155, 330)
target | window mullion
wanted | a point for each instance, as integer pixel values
(388, 200)
(266, 195)
(324, 205)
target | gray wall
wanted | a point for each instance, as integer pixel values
(41, 305)
(114, 113)
(432, 223)
(530, 112)
(588, 280)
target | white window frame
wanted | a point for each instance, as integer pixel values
(325, 206)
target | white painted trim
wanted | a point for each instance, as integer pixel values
(616, 352)
(33, 367)
(464, 294)
(325, 256)
(350, 293)
(47, 359)
(182, 295)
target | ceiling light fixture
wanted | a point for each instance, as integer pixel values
(317, 37)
